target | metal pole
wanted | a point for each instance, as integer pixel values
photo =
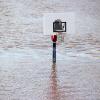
(54, 52)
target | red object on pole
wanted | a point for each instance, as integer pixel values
(54, 38)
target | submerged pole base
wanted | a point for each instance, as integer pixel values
(54, 52)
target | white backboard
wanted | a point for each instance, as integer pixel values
(49, 18)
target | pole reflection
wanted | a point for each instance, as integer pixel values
(54, 92)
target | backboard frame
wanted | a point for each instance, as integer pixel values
(49, 18)
(59, 30)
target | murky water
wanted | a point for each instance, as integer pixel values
(27, 72)
(26, 69)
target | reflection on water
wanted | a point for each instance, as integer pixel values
(26, 74)
(54, 92)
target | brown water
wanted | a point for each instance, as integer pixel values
(27, 72)
(26, 69)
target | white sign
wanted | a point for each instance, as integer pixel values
(49, 18)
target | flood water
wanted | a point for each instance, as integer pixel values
(27, 71)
